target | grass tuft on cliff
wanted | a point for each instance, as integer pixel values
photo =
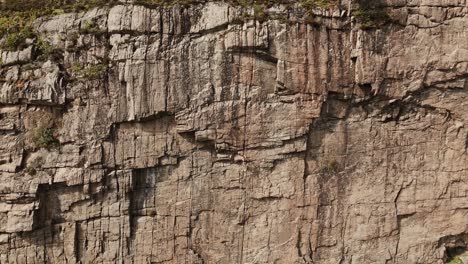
(91, 72)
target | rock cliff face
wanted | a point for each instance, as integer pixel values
(200, 135)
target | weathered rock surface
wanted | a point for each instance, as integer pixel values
(215, 139)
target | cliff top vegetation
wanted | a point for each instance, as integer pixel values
(17, 16)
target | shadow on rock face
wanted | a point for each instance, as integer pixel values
(456, 249)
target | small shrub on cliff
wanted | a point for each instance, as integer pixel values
(13, 41)
(91, 27)
(259, 12)
(43, 46)
(310, 5)
(95, 71)
(18, 40)
(45, 50)
(77, 68)
(370, 14)
(10, 24)
(91, 72)
(44, 138)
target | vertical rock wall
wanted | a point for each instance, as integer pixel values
(198, 135)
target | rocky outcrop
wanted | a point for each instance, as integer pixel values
(201, 135)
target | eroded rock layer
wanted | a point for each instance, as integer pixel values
(200, 135)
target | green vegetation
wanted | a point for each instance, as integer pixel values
(94, 71)
(14, 21)
(317, 3)
(370, 14)
(45, 50)
(259, 12)
(52, 6)
(17, 40)
(243, 3)
(17, 18)
(259, 7)
(16, 15)
(309, 5)
(455, 260)
(58, 11)
(44, 138)
(91, 27)
(91, 72)
(165, 2)
(44, 47)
